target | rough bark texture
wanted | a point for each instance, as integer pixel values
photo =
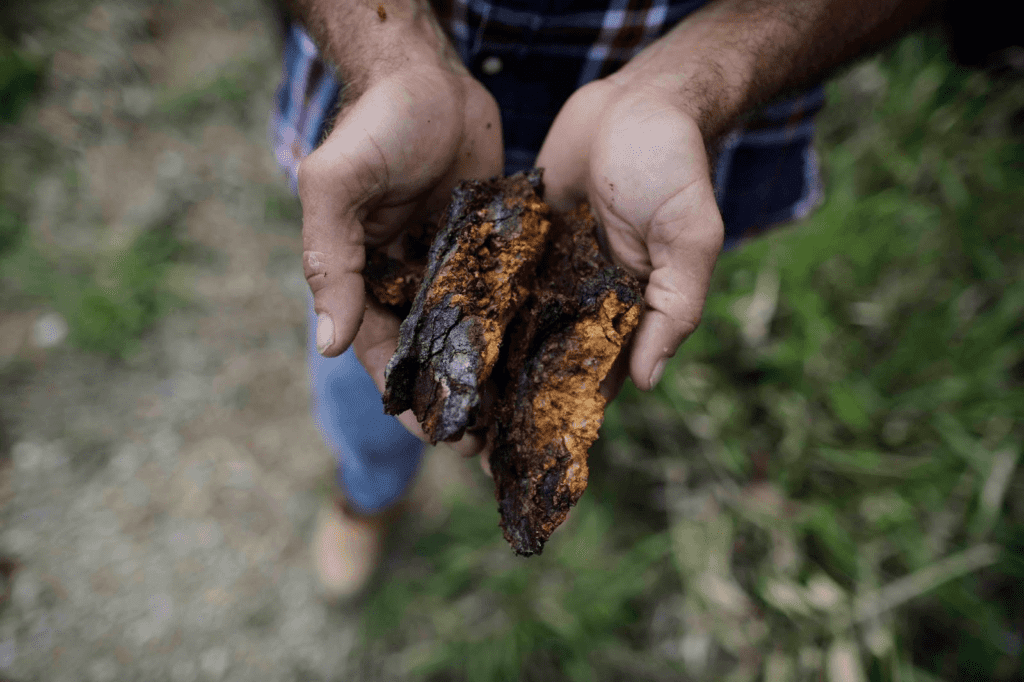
(484, 254)
(533, 304)
(394, 278)
(561, 346)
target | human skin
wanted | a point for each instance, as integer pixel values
(635, 144)
(413, 124)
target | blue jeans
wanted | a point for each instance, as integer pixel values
(377, 458)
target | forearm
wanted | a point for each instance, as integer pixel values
(367, 39)
(734, 54)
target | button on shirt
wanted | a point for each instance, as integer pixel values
(491, 66)
(533, 54)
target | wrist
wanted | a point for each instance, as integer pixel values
(711, 86)
(369, 41)
(412, 41)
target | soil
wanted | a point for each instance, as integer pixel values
(155, 513)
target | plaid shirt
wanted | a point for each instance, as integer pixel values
(533, 54)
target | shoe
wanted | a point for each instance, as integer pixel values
(347, 548)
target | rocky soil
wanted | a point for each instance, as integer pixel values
(155, 512)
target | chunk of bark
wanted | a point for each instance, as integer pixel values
(480, 262)
(394, 278)
(562, 344)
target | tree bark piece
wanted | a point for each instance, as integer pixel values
(480, 263)
(511, 293)
(394, 278)
(562, 345)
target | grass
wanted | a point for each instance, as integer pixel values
(109, 296)
(108, 304)
(20, 76)
(827, 483)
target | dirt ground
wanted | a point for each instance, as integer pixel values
(155, 513)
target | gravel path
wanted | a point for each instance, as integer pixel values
(155, 514)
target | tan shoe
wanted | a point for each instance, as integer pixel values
(347, 548)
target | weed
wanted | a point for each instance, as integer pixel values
(20, 76)
(841, 493)
(106, 315)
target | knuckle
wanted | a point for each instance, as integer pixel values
(314, 267)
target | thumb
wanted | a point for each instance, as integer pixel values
(331, 186)
(564, 154)
(683, 243)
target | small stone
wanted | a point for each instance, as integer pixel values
(170, 165)
(41, 637)
(19, 541)
(823, 593)
(184, 671)
(136, 493)
(214, 662)
(103, 670)
(138, 101)
(208, 534)
(26, 589)
(49, 331)
(695, 649)
(141, 632)
(189, 536)
(83, 103)
(166, 447)
(125, 462)
(241, 474)
(29, 457)
(161, 609)
(7, 652)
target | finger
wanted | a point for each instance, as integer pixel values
(333, 246)
(470, 445)
(374, 345)
(563, 159)
(684, 241)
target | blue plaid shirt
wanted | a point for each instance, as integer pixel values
(533, 54)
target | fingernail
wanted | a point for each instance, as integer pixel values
(656, 373)
(324, 332)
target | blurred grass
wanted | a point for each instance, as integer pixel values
(109, 295)
(20, 76)
(110, 305)
(826, 485)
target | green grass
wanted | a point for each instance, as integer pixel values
(108, 305)
(229, 92)
(20, 76)
(109, 298)
(841, 490)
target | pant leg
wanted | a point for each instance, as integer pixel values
(377, 458)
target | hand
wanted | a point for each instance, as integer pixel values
(639, 158)
(393, 158)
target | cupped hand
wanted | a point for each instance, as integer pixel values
(393, 158)
(638, 157)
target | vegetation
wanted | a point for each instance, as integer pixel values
(827, 483)
(109, 294)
